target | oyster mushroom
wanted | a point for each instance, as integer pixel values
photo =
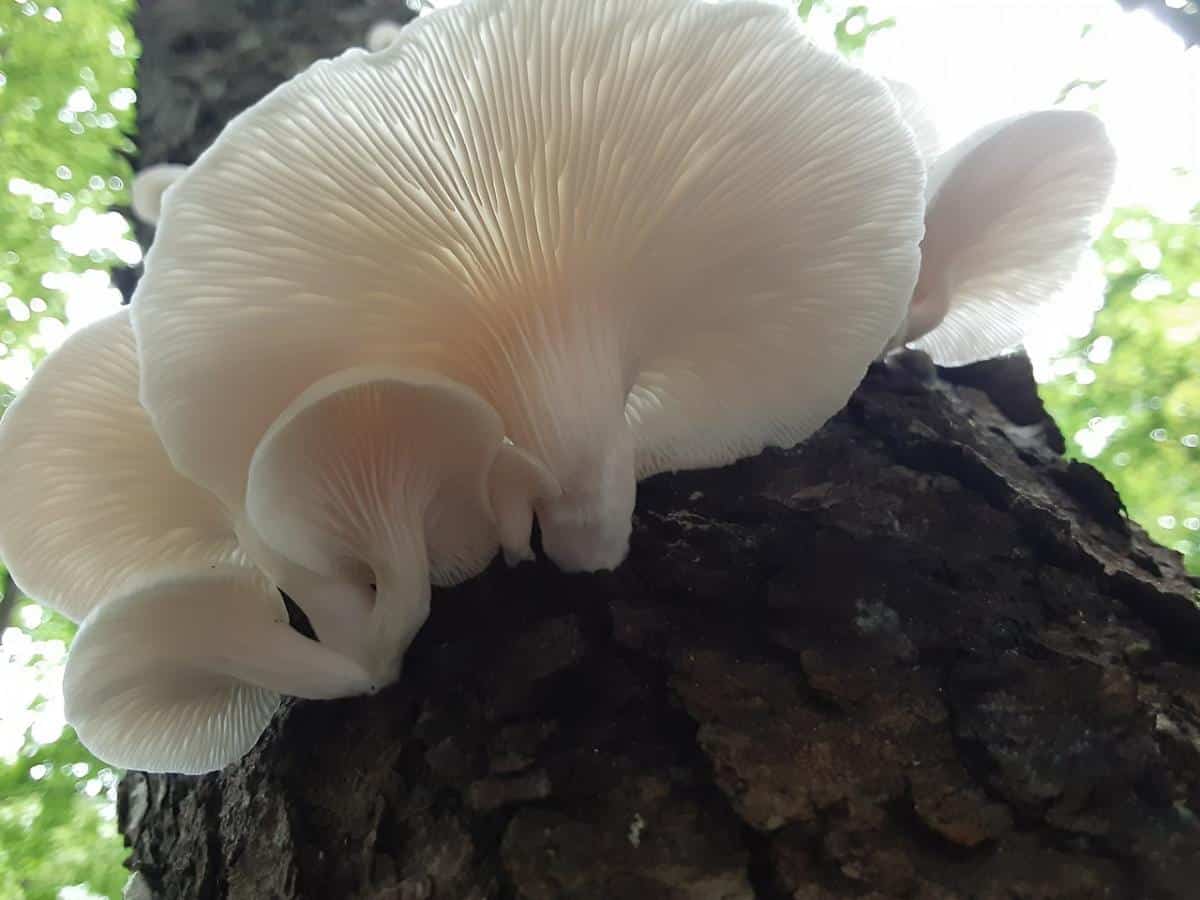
(183, 673)
(384, 476)
(1010, 210)
(650, 235)
(97, 508)
(92, 503)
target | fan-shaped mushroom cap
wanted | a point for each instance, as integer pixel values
(92, 502)
(1010, 210)
(652, 235)
(183, 674)
(383, 476)
(149, 188)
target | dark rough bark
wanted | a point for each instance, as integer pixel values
(1181, 17)
(922, 656)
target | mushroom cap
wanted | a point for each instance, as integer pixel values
(383, 34)
(94, 504)
(159, 678)
(914, 109)
(384, 476)
(673, 216)
(102, 509)
(367, 455)
(149, 189)
(1010, 210)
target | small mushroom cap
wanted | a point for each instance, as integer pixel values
(383, 34)
(149, 189)
(1010, 210)
(183, 674)
(675, 217)
(368, 453)
(93, 504)
(382, 476)
(101, 508)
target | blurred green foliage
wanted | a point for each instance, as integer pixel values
(66, 105)
(1127, 396)
(56, 818)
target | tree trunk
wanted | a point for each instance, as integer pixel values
(921, 656)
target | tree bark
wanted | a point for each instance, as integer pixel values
(1181, 17)
(8, 602)
(921, 656)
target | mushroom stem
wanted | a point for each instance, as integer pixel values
(561, 383)
(281, 659)
(587, 528)
(401, 605)
(338, 609)
(517, 480)
(340, 613)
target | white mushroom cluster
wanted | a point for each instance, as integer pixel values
(518, 257)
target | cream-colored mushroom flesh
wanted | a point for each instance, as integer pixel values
(516, 477)
(381, 476)
(339, 609)
(101, 508)
(1010, 210)
(652, 235)
(92, 503)
(184, 673)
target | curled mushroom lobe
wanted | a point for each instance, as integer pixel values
(110, 534)
(385, 477)
(183, 673)
(1010, 211)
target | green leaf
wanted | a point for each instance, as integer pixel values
(1127, 395)
(66, 82)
